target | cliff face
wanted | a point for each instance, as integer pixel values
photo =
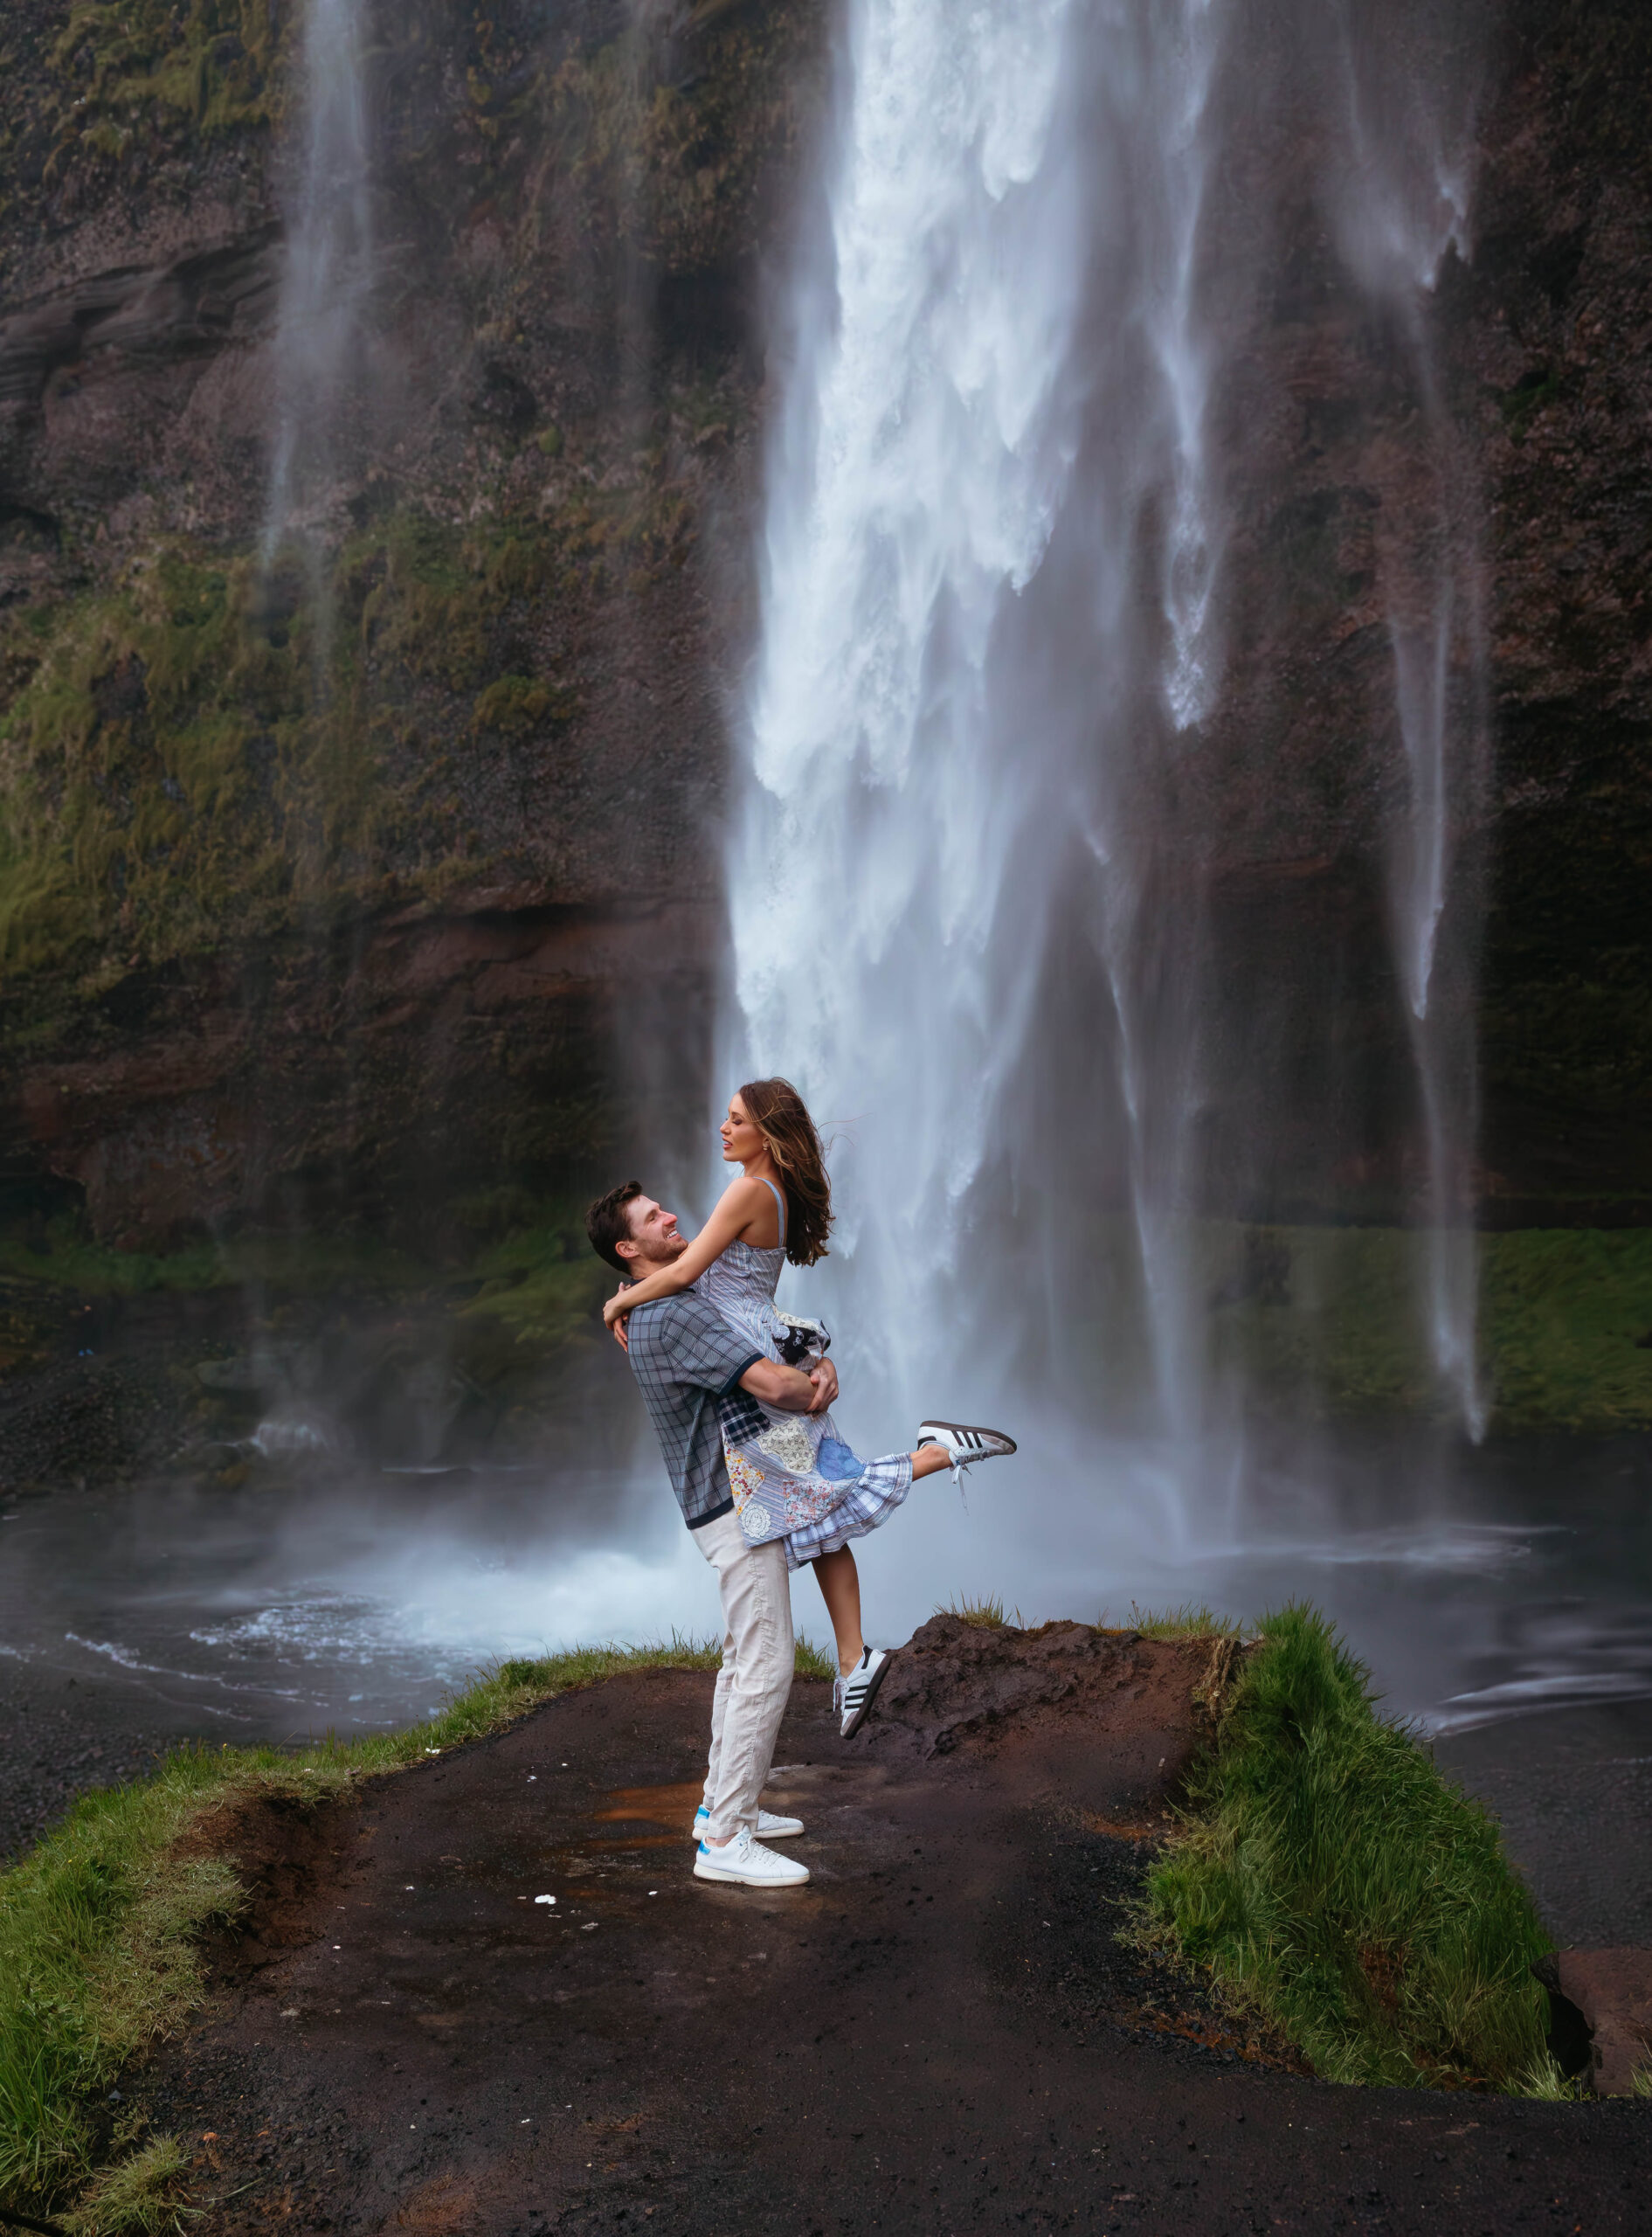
(330, 879)
(361, 881)
(1527, 402)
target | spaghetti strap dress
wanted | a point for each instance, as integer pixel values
(791, 1475)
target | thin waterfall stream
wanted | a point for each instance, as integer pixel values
(328, 265)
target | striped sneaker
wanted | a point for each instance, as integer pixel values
(963, 1446)
(769, 1829)
(852, 1695)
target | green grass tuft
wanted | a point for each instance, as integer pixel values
(812, 1661)
(1191, 1620)
(142, 2196)
(985, 1615)
(1547, 2079)
(1328, 1878)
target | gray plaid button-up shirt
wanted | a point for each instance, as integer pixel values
(686, 1357)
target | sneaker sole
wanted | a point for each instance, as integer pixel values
(702, 1870)
(852, 1725)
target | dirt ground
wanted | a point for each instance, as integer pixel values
(940, 2033)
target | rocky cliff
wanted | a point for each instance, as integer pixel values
(354, 881)
(320, 883)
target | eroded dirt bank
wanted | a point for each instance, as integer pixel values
(940, 2032)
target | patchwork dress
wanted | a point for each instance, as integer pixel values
(791, 1475)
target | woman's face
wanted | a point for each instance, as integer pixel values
(740, 1138)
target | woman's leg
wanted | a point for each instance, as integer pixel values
(928, 1459)
(840, 1583)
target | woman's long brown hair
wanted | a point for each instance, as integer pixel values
(782, 1118)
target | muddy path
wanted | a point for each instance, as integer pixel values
(940, 2033)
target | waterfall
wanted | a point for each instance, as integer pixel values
(327, 271)
(921, 464)
(970, 881)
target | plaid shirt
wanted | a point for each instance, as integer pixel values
(686, 1357)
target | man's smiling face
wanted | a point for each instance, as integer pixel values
(653, 1233)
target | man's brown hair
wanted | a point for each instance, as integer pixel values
(608, 1223)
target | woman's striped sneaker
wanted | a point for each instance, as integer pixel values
(963, 1446)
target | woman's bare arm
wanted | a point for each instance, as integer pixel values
(740, 1201)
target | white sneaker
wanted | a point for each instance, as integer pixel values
(964, 1445)
(748, 1864)
(769, 1829)
(854, 1694)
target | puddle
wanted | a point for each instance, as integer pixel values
(653, 1806)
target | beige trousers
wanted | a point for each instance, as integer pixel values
(758, 1657)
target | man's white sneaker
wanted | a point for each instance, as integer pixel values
(854, 1694)
(964, 1445)
(769, 1829)
(745, 1861)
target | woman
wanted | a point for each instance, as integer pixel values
(791, 1474)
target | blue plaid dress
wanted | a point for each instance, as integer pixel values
(791, 1475)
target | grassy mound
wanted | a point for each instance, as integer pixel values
(98, 1929)
(1329, 1878)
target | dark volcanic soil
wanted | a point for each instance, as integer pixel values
(939, 2034)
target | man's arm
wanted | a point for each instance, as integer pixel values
(788, 1388)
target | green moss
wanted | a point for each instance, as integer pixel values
(64, 1257)
(1533, 393)
(1567, 1327)
(683, 165)
(1328, 1878)
(543, 1288)
(193, 753)
(514, 705)
(121, 71)
(1327, 1321)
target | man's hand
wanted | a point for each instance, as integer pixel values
(618, 1323)
(823, 1376)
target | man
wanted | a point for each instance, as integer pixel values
(688, 1359)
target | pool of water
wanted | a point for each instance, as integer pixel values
(1494, 1592)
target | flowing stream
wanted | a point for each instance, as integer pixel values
(970, 885)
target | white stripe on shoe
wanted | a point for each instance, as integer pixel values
(965, 1444)
(855, 1694)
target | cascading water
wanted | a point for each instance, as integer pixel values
(1407, 211)
(969, 888)
(923, 456)
(327, 268)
